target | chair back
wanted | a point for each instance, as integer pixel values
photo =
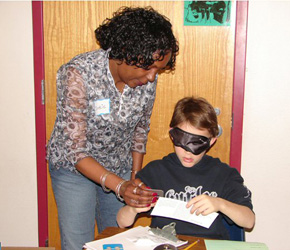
(236, 233)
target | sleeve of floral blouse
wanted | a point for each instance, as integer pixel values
(139, 140)
(74, 105)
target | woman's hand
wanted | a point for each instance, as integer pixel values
(136, 194)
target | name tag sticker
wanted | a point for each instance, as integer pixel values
(102, 107)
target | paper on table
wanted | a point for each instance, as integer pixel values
(233, 245)
(176, 209)
(136, 238)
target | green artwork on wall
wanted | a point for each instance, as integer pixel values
(207, 13)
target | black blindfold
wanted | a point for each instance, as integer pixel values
(195, 144)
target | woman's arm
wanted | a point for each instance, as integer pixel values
(137, 163)
(93, 170)
(140, 135)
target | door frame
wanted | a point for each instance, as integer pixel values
(239, 84)
(40, 126)
(237, 104)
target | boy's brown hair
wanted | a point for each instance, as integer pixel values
(196, 111)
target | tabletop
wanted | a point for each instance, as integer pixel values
(28, 248)
(110, 231)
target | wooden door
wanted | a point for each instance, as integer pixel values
(204, 68)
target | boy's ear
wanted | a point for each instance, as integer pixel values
(213, 140)
(169, 134)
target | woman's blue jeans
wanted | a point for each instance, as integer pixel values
(79, 202)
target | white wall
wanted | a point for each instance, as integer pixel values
(18, 189)
(265, 157)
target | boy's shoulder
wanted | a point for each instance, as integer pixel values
(213, 161)
(216, 162)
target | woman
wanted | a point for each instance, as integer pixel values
(104, 103)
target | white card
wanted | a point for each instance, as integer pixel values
(176, 209)
(102, 106)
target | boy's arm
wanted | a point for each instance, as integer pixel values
(127, 214)
(239, 214)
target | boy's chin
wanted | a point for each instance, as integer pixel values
(187, 165)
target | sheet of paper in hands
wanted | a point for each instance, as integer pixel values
(136, 238)
(176, 209)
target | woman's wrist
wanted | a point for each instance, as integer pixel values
(110, 181)
(135, 171)
(103, 181)
(119, 191)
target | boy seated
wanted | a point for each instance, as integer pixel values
(204, 182)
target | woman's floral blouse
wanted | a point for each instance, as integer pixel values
(94, 119)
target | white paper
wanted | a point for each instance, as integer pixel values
(176, 209)
(136, 238)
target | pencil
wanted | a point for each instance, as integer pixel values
(191, 245)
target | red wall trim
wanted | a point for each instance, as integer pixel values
(38, 52)
(239, 84)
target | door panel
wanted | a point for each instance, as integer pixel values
(204, 68)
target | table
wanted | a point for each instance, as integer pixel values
(28, 248)
(110, 231)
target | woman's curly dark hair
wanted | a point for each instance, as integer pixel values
(134, 34)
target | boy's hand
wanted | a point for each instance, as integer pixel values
(142, 209)
(204, 204)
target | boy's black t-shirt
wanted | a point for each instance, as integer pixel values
(210, 176)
